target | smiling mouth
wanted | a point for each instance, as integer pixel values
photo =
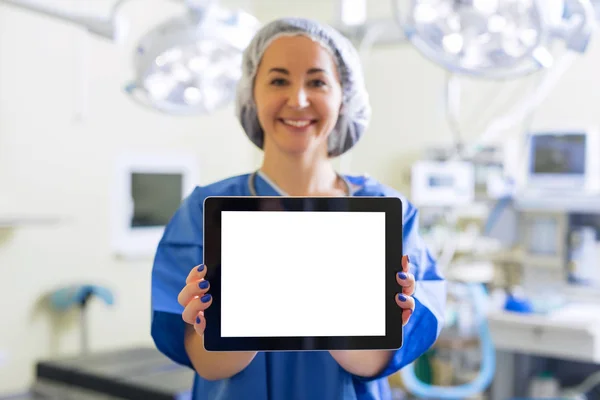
(303, 123)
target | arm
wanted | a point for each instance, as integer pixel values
(180, 249)
(178, 339)
(426, 322)
(214, 365)
(367, 363)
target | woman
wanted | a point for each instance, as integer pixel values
(302, 100)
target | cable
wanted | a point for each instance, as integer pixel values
(452, 110)
(364, 50)
(588, 384)
(527, 105)
(488, 363)
(495, 213)
(451, 244)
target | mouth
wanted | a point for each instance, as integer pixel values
(298, 124)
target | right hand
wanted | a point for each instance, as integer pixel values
(195, 299)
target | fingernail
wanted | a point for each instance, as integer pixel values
(198, 320)
(205, 298)
(401, 297)
(402, 275)
(201, 268)
(203, 284)
(408, 259)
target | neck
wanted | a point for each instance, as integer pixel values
(299, 176)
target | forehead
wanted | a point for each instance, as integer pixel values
(297, 51)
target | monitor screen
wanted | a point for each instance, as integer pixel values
(441, 181)
(563, 154)
(286, 273)
(156, 197)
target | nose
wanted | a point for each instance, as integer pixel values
(298, 97)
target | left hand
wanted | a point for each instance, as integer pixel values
(404, 299)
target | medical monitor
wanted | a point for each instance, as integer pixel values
(155, 197)
(442, 183)
(300, 273)
(148, 189)
(563, 160)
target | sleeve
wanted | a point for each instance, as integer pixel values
(427, 321)
(179, 250)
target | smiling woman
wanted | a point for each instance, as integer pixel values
(298, 94)
(301, 100)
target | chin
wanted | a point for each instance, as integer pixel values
(295, 150)
(295, 147)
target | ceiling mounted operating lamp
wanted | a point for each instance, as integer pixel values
(494, 38)
(191, 64)
(188, 65)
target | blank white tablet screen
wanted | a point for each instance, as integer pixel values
(302, 274)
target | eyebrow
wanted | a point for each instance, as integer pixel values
(286, 72)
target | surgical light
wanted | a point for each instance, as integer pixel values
(192, 63)
(492, 38)
(189, 64)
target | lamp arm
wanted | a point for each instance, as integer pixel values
(111, 28)
(191, 4)
(580, 26)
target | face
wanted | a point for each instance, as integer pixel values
(298, 95)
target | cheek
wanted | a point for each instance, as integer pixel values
(329, 108)
(268, 109)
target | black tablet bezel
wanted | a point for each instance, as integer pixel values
(391, 206)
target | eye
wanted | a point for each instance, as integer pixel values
(278, 82)
(317, 83)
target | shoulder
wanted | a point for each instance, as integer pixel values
(366, 185)
(186, 224)
(233, 186)
(193, 204)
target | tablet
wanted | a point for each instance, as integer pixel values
(303, 273)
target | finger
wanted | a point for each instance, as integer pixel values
(407, 303)
(191, 290)
(406, 314)
(405, 264)
(197, 273)
(407, 281)
(200, 324)
(197, 305)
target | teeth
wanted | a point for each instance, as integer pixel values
(299, 124)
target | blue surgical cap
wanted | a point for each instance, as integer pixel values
(356, 110)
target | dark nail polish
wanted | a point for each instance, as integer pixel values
(203, 284)
(401, 297)
(198, 320)
(408, 259)
(402, 275)
(201, 268)
(206, 298)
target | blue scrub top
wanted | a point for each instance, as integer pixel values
(287, 375)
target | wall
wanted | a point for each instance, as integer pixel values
(57, 162)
